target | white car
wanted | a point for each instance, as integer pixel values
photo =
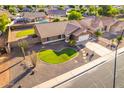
(0, 33)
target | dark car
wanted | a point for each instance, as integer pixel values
(2, 50)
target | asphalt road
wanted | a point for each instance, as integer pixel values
(99, 77)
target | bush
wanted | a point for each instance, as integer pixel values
(41, 10)
(56, 20)
(74, 15)
(72, 42)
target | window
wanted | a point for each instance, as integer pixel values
(59, 36)
(63, 36)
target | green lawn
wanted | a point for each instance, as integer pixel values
(26, 32)
(121, 19)
(53, 57)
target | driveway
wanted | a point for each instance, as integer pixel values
(100, 50)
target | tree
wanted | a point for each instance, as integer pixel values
(4, 20)
(93, 10)
(119, 38)
(23, 44)
(72, 6)
(72, 42)
(41, 10)
(6, 7)
(33, 57)
(56, 20)
(61, 7)
(98, 33)
(20, 7)
(12, 10)
(83, 10)
(108, 10)
(74, 15)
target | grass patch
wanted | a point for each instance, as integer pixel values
(54, 57)
(26, 32)
(121, 19)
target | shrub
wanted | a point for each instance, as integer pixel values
(56, 20)
(72, 42)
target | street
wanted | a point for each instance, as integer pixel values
(99, 77)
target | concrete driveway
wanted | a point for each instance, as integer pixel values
(100, 50)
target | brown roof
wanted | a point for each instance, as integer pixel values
(108, 20)
(86, 21)
(71, 27)
(51, 29)
(57, 28)
(33, 15)
(118, 26)
(80, 31)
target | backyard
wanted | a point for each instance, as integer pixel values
(25, 32)
(56, 57)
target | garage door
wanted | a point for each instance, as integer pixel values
(83, 38)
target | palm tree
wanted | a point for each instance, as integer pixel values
(33, 57)
(119, 38)
(98, 34)
(23, 44)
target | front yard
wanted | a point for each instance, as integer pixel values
(56, 57)
(26, 32)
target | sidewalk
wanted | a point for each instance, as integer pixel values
(100, 50)
(5, 68)
(4, 77)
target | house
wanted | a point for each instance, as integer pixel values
(80, 30)
(92, 23)
(117, 27)
(56, 13)
(57, 31)
(108, 22)
(32, 16)
(26, 9)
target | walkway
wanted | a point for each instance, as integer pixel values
(100, 50)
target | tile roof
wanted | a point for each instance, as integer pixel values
(58, 28)
(33, 15)
(56, 12)
(118, 26)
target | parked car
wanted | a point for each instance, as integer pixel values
(2, 50)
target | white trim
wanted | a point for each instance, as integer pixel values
(53, 41)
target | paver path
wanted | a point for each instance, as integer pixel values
(100, 50)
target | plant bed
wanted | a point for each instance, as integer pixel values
(56, 57)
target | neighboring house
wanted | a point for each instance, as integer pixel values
(56, 13)
(56, 31)
(117, 27)
(108, 22)
(26, 9)
(80, 30)
(32, 16)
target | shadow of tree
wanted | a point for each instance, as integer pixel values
(18, 78)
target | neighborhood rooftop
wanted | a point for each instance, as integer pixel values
(32, 15)
(58, 28)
